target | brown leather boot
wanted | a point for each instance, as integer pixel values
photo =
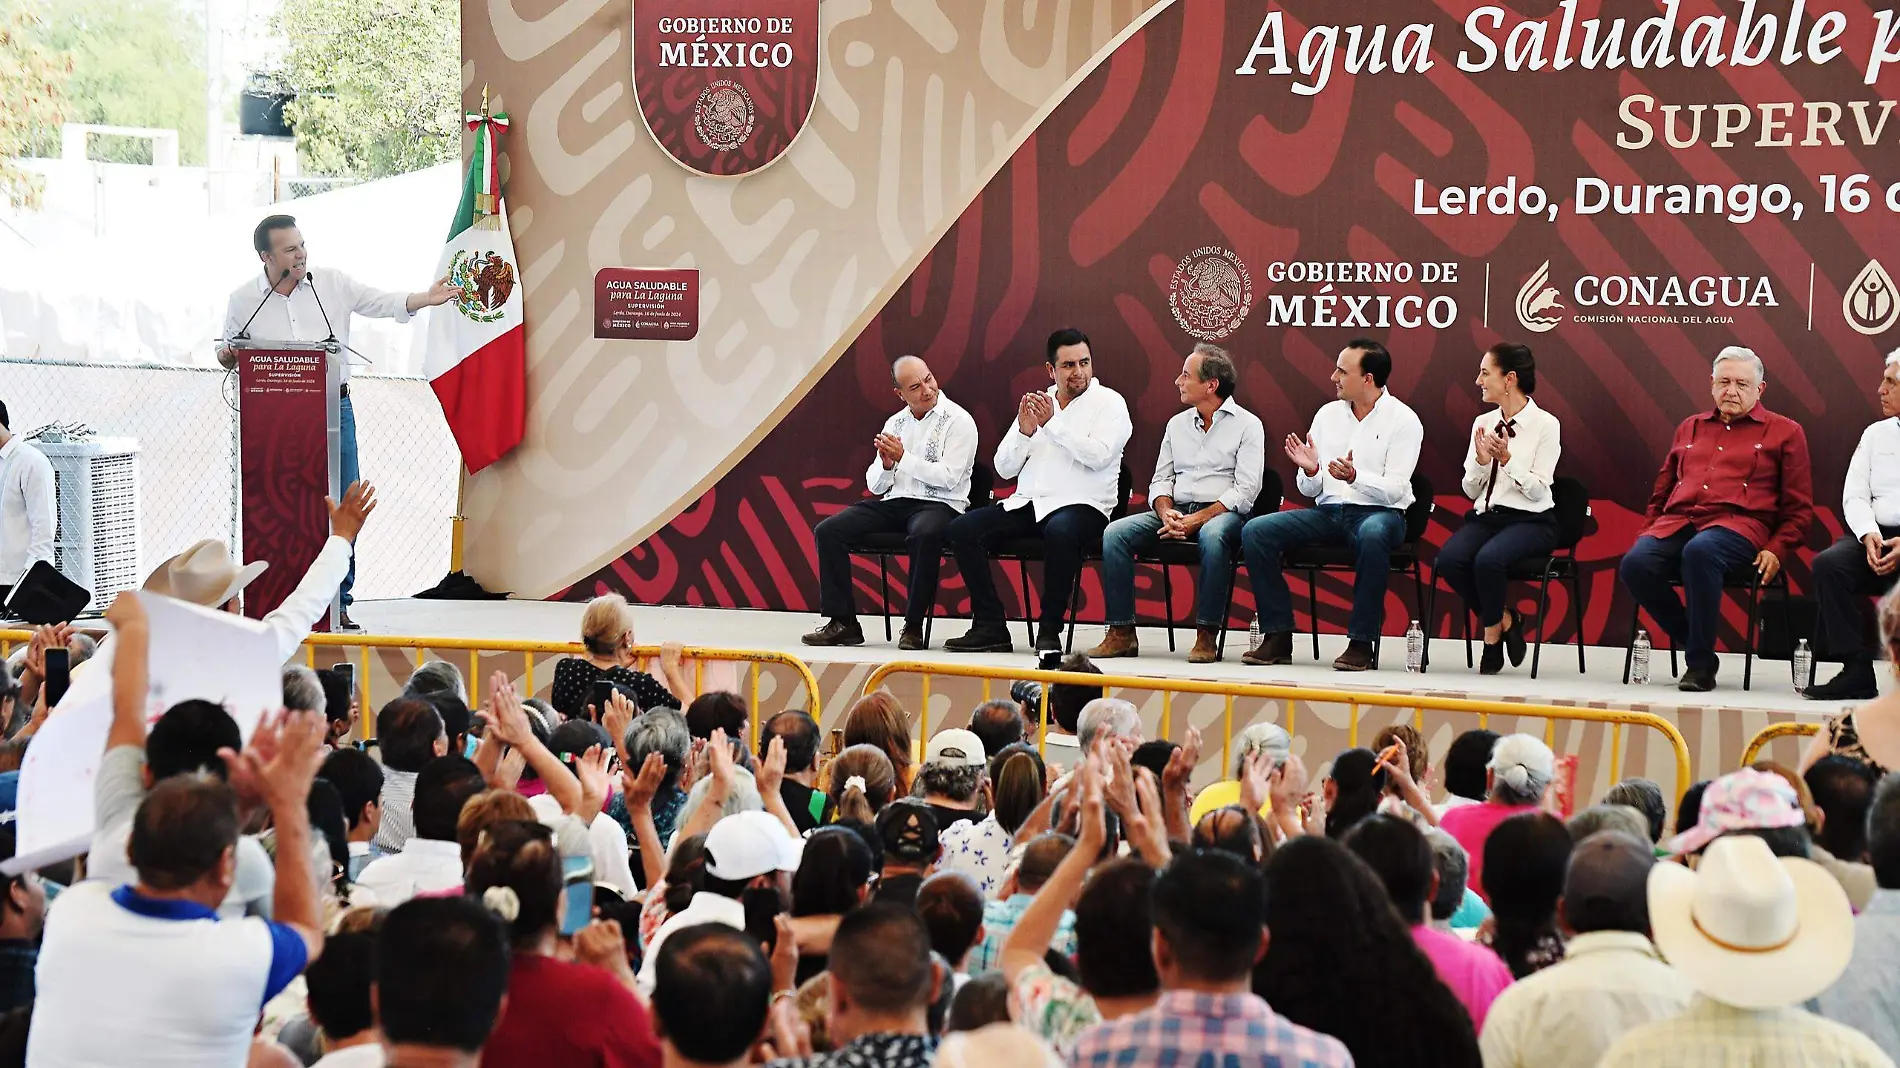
(1274, 649)
(1120, 641)
(1206, 646)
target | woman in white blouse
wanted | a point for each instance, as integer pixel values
(1508, 468)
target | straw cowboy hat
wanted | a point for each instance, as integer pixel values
(204, 574)
(1750, 929)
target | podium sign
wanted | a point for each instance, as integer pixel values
(287, 440)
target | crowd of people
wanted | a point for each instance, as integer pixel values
(1733, 497)
(637, 874)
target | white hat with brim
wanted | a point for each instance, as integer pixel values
(1750, 929)
(746, 845)
(204, 575)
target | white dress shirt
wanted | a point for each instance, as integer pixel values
(606, 840)
(1074, 458)
(1202, 464)
(1384, 447)
(1524, 483)
(1567, 1015)
(425, 866)
(27, 508)
(1872, 493)
(301, 315)
(939, 451)
(703, 908)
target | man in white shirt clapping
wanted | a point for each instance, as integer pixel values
(1357, 465)
(1867, 561)
(1210, 468)
(1065, 453)
(921, 476)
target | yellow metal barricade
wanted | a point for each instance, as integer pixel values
(1354, 700)
(528, 650)
(356, 649)
(1771, 732)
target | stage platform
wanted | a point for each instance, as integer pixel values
(1717, 725)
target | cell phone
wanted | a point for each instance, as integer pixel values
(1049, 660)
(59, 674)
(601, 697)
(577, 884)
(347, 672)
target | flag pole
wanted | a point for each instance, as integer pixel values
(458, 523)
(456, 585)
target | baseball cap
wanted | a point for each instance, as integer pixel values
(1740, 801)
(908, 830)
(746, 845)
(956, 748)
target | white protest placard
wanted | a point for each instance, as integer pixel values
(222, 657)
(194, 653)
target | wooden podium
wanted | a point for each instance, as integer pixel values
(289, 439)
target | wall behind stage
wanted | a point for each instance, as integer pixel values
(918, 102)
(1164, 155)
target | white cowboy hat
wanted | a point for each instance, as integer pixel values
(1750, 929)
(204, 574)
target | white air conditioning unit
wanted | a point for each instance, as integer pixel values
(97, 540)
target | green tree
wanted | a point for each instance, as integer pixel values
(378, 84)
(134, 63)
(32, 78)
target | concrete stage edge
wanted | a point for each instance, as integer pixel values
(1716, 725)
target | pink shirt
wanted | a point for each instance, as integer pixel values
(1471, 825)
(1474, 973)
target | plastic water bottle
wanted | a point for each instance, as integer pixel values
(1803, 666)
(1253, 633)
(1415, 648)
(1639, 658)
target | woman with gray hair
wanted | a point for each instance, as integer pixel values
(1268, 738)
(661, 731)
(1520, 770)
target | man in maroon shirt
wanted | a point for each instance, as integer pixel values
(1734, 489)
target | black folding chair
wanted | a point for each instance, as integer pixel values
(1742, 578)
(885, 546)
(1173, 554)
(1023, 551)
(1571, 507)
(1405, 558)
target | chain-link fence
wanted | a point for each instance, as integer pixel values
(183, 421)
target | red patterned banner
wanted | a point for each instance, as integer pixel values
(1438, 177)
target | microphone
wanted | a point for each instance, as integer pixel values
(244, 331)
(311, 277)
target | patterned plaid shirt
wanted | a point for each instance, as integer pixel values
(1713, 1035)
(1184, 1028)
(17, 959)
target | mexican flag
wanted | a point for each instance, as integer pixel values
(476, 351)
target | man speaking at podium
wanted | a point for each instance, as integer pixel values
(287, 302)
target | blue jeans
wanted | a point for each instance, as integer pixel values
(1218, 539)
(1699, 560)
(1371, 532)
(347, 452)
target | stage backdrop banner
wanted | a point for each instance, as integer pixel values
(725, 86)
(285, 467)
(1627, 193)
